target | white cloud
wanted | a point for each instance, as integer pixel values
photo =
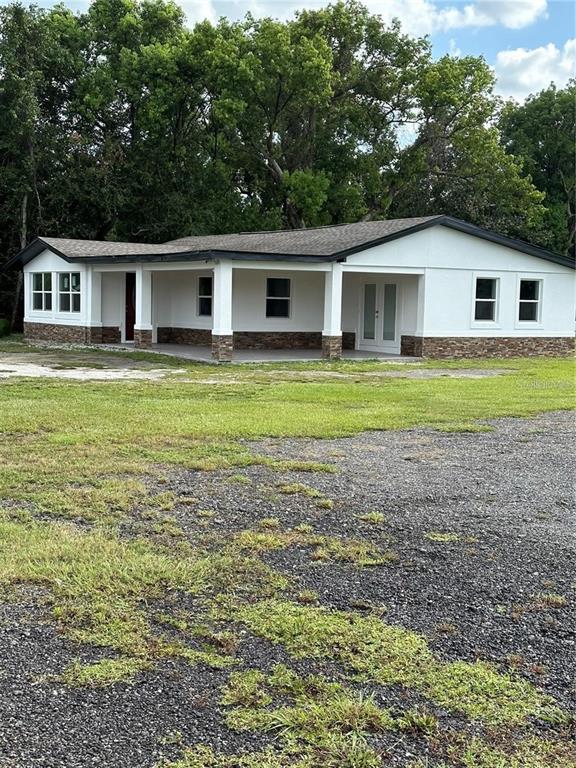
(513, 14)
(523, 71)
(418, 17)
(198, 10)
(453, 49)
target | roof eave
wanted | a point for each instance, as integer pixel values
(34, 249)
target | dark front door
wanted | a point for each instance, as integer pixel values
(130, 305)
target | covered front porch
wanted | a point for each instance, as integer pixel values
(256, 312)
(203, 354)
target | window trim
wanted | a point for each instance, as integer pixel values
(539, 302)
(70, 293)
(204, 295)
(495, 323)
(43, 292)
(287, 299)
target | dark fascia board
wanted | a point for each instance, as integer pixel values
(469, 229)
(38, 245)
(204, 256)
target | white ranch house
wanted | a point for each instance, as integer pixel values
(432, 286)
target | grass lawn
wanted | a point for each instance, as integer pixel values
(83, 515)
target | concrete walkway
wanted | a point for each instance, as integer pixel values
(204, 354)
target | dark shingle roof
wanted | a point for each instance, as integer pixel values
(319, 241)
(316, 245)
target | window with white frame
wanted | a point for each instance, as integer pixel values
(69, 291)
(205, 296)
(42, 291)
(529, 301)
(485, 299)
(278, 297)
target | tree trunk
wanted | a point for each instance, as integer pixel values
(293, 218)
(20, 278)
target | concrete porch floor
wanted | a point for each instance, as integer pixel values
(204, 354)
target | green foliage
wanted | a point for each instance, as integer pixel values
(4, 327)
(258, 124)
(302, 488)
(542, 134)
(376, 518)
(457, 165)
(202, 756)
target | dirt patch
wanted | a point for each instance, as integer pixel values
(32, 370)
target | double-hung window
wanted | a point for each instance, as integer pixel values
(485, 299)
(278, 297)
(42, 291)
(69, 291)
(529, 302)
(205, 296)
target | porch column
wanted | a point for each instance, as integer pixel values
(143, 324)
(93, 307)
(332, 331)
(222, 339)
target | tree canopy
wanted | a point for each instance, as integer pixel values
(542, 134)
(122, 123)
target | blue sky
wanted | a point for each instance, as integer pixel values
(528, 42)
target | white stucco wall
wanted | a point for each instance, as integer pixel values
(113, 298)
(450, 262)
(175, 299)
(249, 301)
(49, 262)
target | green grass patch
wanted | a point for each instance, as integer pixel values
(392, 655)
(324, 548)
(103, 673)
(91, 451)
(324, 724)
(80, 450)
(99, 586)
(530, 752)
(202, 756)
(376, 518)
(446, 537)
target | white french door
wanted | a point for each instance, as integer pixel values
(379, 316)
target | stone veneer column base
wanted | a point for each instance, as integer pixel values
(331, 347)
(142, 338)
(487, 346)
(222, 348)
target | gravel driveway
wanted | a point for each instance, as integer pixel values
(505, 499)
